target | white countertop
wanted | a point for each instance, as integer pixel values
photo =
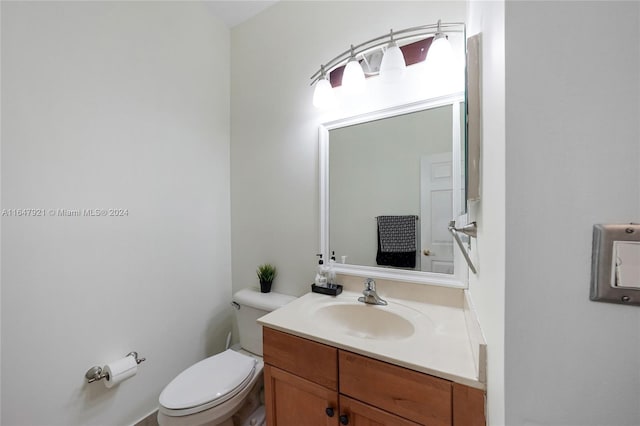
(439, 345)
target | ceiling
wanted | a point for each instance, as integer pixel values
(234, 12)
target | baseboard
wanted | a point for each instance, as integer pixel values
(150, 419)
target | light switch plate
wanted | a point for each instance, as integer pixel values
(603, 277)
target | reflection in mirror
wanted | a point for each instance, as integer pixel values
(393, 182)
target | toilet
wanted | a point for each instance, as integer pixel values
(224, 390)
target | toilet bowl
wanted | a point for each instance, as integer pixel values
(224, 389)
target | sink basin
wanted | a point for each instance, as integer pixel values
(365, 321)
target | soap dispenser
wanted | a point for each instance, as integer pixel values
(321, 276)
(325, 282)
(331, 272)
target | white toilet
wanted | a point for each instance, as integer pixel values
(224, 390)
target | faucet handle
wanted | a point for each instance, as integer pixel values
(370, 284)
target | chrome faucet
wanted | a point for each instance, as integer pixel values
(370, 295)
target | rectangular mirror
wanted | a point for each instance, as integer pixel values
(390, 183)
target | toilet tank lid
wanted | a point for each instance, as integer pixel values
(263, 301)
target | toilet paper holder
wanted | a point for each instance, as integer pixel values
(96, 373)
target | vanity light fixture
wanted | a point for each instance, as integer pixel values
(435, 46)
(323, 95)
(393, 66)
(353, 78)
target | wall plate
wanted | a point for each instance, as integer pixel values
(604, 285)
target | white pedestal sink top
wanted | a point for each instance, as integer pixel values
(428, 337)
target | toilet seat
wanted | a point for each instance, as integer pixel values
(207, 383)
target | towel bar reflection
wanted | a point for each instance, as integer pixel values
(470, 230)
(376, 217)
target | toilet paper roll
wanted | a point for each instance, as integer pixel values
(120, 370)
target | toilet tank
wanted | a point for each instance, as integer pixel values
(253, 305)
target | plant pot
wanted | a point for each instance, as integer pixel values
(265, 286)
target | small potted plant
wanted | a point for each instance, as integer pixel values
(266, 274)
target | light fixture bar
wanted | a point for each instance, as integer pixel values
(383, 40)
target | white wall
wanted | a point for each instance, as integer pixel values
(111, 105)
(573, 145)
(487, 287)
(274, 152)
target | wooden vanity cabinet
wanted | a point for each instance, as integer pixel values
(300, 381)
(311, 384)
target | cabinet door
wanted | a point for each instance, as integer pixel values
(359, 414)
(412, 395)
(293, 401)
(468, 406)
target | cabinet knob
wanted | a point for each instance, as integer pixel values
(344, 419)
(329, 411)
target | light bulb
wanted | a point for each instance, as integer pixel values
(442, 70)
(323, 95)
(393, 66)
(353, 76)
(440, 52)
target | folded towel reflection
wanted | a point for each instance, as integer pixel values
(397, 241)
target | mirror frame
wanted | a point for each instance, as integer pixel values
(461, 273)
